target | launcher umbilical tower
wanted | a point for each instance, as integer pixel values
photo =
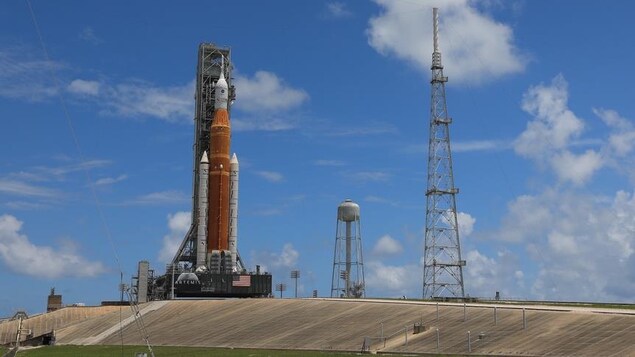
(443, 266)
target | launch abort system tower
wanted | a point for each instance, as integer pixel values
(443, 266)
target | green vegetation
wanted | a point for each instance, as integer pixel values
(163, 351)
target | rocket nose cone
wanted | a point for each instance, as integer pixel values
(204, 158)
(234, 159)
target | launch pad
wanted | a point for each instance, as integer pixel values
(209, 285)
(207, 262)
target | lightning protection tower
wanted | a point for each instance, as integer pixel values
(443, 266)
(348, 262)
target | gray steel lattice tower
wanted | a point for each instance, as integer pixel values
(443, 266)
(348, 262)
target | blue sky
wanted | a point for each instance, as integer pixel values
(332, 103)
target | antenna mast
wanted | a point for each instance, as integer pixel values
(443, 266)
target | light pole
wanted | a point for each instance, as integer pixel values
(281, 287)
(295, 274)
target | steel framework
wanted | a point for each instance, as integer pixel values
(208, 70)
(443, 266)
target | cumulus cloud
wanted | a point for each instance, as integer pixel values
(279, 263)
(466, 224)
(576, 168)
(484, 275)
(622, 137)
(178, 225)
(23, 257)
(82, 87)
(265, 91)
(264, 102)
(554, 125)
(387, 245)
(550, 133)
(391, 280)
(590, 241)
(476, 48)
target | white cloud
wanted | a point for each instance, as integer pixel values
(161, 197)
(466, 224)
(271, 176)
(374, 176)
(24, 257)
(524, 215)
(279, 263)
(263, 123)
(552, 130)
(576, 168)
(178, 224)
(392, 281)
(590, 241)
(264, 102)
(60, 171)
(484, 276)
(338, 9)
(478, 145)
(377, 199)
(110, 180)
(562, 243)
(475, 47)
(387, 245)
(622, 137)
(24, 189)
(138, 99)
(22, 77)
(82, 87)
(265, 91)
(553, 125)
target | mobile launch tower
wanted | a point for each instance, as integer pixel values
(207, 262)
(443, 266)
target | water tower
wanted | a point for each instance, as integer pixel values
(348, 262)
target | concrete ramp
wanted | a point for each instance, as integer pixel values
(47, 322)
(337, 324)
(93, 332)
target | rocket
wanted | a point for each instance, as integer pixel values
(222, 187)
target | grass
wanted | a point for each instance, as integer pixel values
(164, 351)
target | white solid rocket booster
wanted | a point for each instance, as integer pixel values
(201, 236)
(233, 210)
